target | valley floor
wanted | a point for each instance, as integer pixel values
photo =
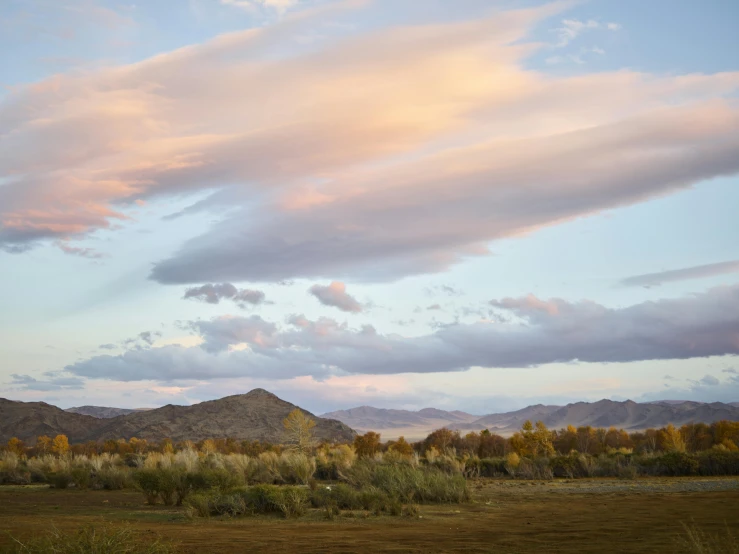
(587, 515)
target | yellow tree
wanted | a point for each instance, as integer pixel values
(60, 445)
(671, 439)
(299, 431)
(43, 444)
(208, 446)
(16, 446)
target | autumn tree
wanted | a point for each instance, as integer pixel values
(443, 439)
(60, 445)
(671, 440)
(43, 444)
(16, 446)
(402, 447)
(299, 431)
(491, 445)
(367, 445)
(534, 440)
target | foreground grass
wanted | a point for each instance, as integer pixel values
(92, 539)
(695, 540)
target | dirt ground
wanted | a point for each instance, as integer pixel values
(593, 515)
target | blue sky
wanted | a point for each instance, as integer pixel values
(388, 203)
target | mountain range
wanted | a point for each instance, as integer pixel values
(628, 415)
(257, 415)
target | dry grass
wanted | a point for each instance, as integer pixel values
(695, 540)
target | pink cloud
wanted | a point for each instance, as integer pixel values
(405, 150)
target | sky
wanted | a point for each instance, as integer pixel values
(468, 204)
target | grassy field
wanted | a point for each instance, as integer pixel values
(588, 515)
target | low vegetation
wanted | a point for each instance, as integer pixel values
(229, 478)
(101, 539)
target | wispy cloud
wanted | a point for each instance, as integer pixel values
(570, 29)
(696, 272)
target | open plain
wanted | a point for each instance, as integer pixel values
(584, 515)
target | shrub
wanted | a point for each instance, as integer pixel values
(59, 479)
(671, 463)
(111, 478)
(81, 477)
(410, 484)
(718, 462)
(296, 467)
(512, 462)
(290, 501)
(343, 496)
(148, 482)
(411, 510)
(95, 540)
(198, 505)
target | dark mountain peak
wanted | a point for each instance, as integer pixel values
(259, 393)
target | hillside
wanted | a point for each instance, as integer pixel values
(28, 420)
(628, 415)
(100, 412)
(255, 415)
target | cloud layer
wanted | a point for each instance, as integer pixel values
(407, 150)
(541, 332)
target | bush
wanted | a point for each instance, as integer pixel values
(718, 462)
(410, 484)
(290, 501)
(148, 482)
(198, 505)
(111, 479)
(411, 510)
(59, 479)
(95, 540)
(672, 464)
(296, 467)
(81, 477)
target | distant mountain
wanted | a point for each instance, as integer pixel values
(255, 415)
(627, 415)
(28, 420)
(100, 412)
(394, 423)
(630, 415)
